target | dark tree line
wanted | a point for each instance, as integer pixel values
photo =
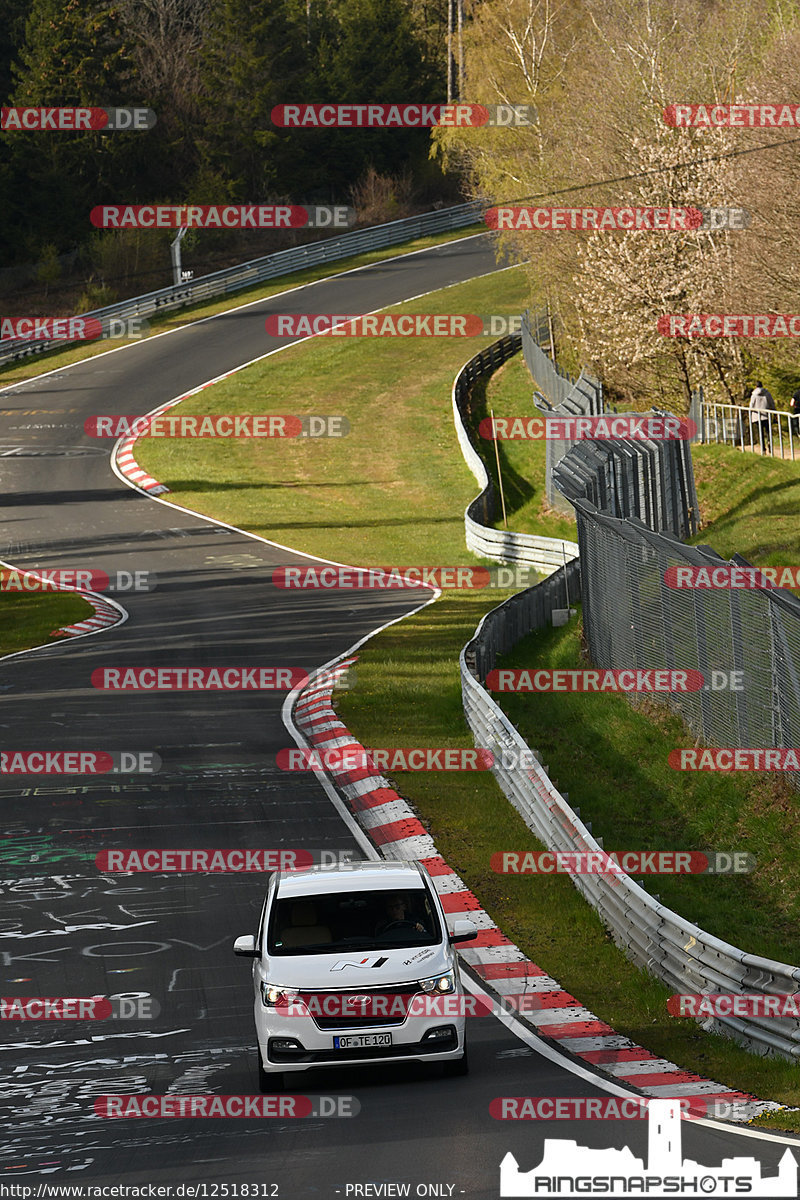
(212, 70)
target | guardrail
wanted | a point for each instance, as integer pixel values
(732, 424)
(655, 938)
(502, 545)
(258, 270)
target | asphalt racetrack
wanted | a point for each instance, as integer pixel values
(67, 930)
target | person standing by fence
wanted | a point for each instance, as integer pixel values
(761, 405)
(794, 409)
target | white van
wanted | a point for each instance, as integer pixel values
(353, 965)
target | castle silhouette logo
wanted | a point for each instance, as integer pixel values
(568, 1169)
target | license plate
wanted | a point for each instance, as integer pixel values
(356, 1041)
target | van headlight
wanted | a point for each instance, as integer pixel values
(439, 983)
(274, 996)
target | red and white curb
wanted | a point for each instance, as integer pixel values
(123, 457)
(106, 614)
(502, 967)
(129, 467)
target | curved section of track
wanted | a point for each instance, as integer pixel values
(72, 931)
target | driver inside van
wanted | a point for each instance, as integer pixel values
(397, 917)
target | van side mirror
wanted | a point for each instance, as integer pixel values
(245, 946)
(463, 931)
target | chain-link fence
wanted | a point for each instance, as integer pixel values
(632, 618)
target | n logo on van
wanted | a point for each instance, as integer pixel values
(372, 961)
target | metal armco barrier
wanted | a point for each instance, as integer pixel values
(243, 275)
(503, 545)
(632, 618)
(655, 938)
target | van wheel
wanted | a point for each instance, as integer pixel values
(269, 1082)
(457, 1066)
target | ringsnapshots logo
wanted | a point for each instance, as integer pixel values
(222, 216)
(414, 325)
(207, 1106)
(71, 329)
(198, 679)
(403, 116)
(84, 579)
(622, 862)
(463, 578)
(218, 425)
(732, 116)
(216, 861)
(594, 220)
(569, 1169)
(728, 325)
(79, 762)
(77, 120)
(631, 427)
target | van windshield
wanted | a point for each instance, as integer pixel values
(325, 922)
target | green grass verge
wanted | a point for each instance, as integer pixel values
(409, 693)
(394, 492)
(28, 618)
(56, 359)
(522, 463)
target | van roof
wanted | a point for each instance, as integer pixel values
(356, 876)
